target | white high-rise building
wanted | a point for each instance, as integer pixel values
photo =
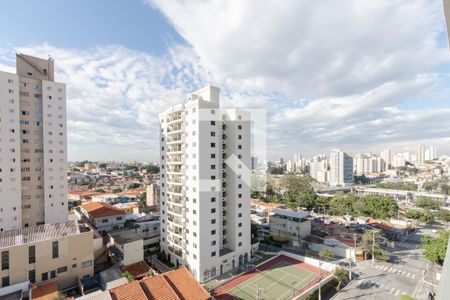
(387, 156)
(341, 168)
(420, 154)
(364, 164)
(205, 192)
(430, 153)
(33, 175)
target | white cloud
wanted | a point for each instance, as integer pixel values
(360, 75)
(313, 48)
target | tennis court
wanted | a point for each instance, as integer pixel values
(278, 279)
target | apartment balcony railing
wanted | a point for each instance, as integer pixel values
(174, 159)
(174, 149)
(177, 251)
(176, 210)
(176, 200)
(174, 118)
(176, 128)
(175, 139)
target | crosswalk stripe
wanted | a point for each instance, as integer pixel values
(385, 268)
(392, 290)
(414, 275)
(396, 293)
(403, 273)
(390, 269)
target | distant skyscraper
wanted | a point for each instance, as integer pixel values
(33, 176)
(420, 154)
(205, 192)
(430, 153)
(387, 156)
(341, 168)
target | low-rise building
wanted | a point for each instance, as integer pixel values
(288, 225)
(102, 216)
(126, 247)
(128, 208)
(153, 191)
(262, 208)
(53, 252)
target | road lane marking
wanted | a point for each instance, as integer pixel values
(396, 293)
(392, 290)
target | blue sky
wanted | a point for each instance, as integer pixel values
(351, 74)
(86, 24)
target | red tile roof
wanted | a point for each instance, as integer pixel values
(157, 288)
(130, 291)
(185, 285)
(46, 291)
(177, 284)
(101, 210)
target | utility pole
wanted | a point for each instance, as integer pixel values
(373, 247)
(354, 252)
(320, 278)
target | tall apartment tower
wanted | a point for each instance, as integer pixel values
(205, 192)
(420, 154)
(341, 168)
(387, 156)
(33, 178)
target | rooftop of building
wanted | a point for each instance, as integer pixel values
(177, 284)
(290, 213)
(130, 291)
(269, 205)
(34, 234)
(138, 270)
(45, 291)
(101, 210)
(124, 236)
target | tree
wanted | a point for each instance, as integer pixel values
(299, 192)
(405, 186)
(379, 207)
(326, 254)
(102, 165)
(444, 215)
(428, 203)
(370, 243)
(143, 196)
(341, 276)
(100, 190)
(116, 190)
(435, 248)
(133, 186)
(152, 169)
(128, 276)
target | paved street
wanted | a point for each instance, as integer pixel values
(389, 280)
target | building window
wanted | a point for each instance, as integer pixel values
(213, 243)
(213, 232)
(213, 133)
(104, 220)
(32, 276)
(213, 253)
(213, 123)
(213, 210)
(239, 127)
(55, 249)
(213, 167)
(213, 145)
(213, 199)
(44, 276)
(240, 244)
(239, 234)
(213, 221)
(86, 264)
(52, 274)
(213, 155)
(5, 260)
(239, 205)
(62, 269)
(240, 215)
(5, 281)
(240, 225)
(31, 254)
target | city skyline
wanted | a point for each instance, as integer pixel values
(371, 89)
